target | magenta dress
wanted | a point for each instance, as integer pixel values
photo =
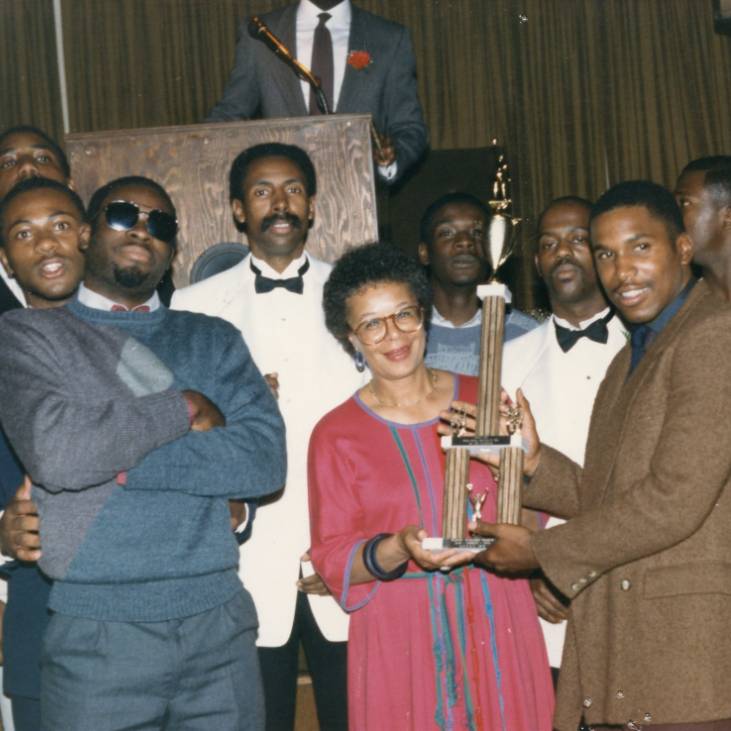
(430, 650)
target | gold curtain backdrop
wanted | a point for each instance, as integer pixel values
(582, 93)
(29, 86)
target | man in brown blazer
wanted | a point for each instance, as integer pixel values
(646, 553)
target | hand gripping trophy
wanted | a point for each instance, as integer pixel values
(457, 488)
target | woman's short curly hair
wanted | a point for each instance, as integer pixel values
(364, 267)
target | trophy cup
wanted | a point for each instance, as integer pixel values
(457, 488)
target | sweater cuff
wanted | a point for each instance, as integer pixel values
(169, 417)
(191, 411)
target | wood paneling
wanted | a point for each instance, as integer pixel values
(192, 163)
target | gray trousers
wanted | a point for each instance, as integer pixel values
(194, 674)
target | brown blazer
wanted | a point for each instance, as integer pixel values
(646, 553)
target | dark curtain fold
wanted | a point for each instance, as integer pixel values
(28, 69)
(148, 63)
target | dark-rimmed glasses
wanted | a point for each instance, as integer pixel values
(407, 320)
(123, 216)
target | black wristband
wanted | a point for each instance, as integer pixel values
(371, 564)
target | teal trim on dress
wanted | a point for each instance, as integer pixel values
(412, 477)
(493, 647)
(459, 599)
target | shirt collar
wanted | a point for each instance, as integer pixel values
(584, 323)
(292, 269)
(99, 302)
(308, 12)
(437, 319)
(658, 324)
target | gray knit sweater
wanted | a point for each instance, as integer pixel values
(134, 515)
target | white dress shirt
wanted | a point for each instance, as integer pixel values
(339, 27)
(99, 302)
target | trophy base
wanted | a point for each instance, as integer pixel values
(484, 445)
(476, 544)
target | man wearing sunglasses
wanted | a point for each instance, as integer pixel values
(132, 466)
(274, 296)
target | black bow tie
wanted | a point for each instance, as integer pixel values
(263, 284)
(597, 331)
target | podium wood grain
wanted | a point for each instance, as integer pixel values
(192, 163)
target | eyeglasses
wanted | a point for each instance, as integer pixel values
(407, 320)
(123, 216)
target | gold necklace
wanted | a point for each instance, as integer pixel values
(433, 377)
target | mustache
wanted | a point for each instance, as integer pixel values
(139, 244)
(565, 260)
(290, 218)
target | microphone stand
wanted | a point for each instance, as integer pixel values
(320, 97)
(259, 30)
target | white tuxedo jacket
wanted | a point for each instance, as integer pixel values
(561, 388)
(286, 334)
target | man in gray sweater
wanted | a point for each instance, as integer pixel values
(453, 235)
(136, 425)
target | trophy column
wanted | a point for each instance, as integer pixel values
(457, 475)
(510, 493)
(491, 358)
(487, 436)
(510, 481)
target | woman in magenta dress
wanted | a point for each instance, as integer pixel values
(435, 643)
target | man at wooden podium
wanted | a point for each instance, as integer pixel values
(365, 64)
(274, 297)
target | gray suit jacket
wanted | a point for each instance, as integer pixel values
(386, 88)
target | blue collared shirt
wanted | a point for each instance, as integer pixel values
(643, 334)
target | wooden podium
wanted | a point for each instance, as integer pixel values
(192, 163)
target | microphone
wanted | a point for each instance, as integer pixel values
(259, 30)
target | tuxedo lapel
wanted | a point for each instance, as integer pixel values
(534, 363)
(226, 302)
(283, 75)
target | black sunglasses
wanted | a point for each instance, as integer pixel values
(123, 215)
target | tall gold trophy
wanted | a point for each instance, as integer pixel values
(457, 488)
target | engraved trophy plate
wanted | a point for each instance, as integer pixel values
(486, 444)
(473, 543)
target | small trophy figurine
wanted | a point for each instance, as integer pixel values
(477, 499)
(494, 295)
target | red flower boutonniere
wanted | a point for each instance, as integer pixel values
(359, 60)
